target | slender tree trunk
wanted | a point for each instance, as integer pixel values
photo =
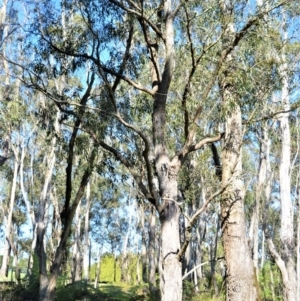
(76, 253)
(262, 193)
(66, 231)
(138, 270)
(41, 225)
(98, 269)
(86, 243)
(8, 227)
(3, 26)
(152, 254)
(115, 267)
(298, 238)
(198, 254)
(125, 275)
(214, 248)
(29, 209)
(144, 248)
(287, 227)
(188, 256)
(285, 260)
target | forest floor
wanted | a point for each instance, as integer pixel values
(106, 292)
(124, 292)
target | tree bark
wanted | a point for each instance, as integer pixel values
(241, 281)
(240, 278)
(170, 280)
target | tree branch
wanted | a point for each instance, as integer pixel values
(140, 15)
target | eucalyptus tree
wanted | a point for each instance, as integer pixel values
(10, 121)
(163, 82)
(274, 181)
(68, 144)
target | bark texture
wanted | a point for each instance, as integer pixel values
(241, 281)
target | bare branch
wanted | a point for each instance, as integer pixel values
(205, 141)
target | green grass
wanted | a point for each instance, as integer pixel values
(106, 292)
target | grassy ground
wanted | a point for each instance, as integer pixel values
(106, 292)
(125, 292)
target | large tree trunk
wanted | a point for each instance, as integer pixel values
(241, 281)
(171, 277)
(240, 276)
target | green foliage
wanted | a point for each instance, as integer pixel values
(270, 282)
(188, 290)
(107, 269)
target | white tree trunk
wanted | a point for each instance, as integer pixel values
(86, 243)
(298, 240)
(98, 269)
(287, 228)
(42, 222)
(8, 227)
(263, 188)
(76, 252)
(152, 251)
(125, 275)
(171, 277)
